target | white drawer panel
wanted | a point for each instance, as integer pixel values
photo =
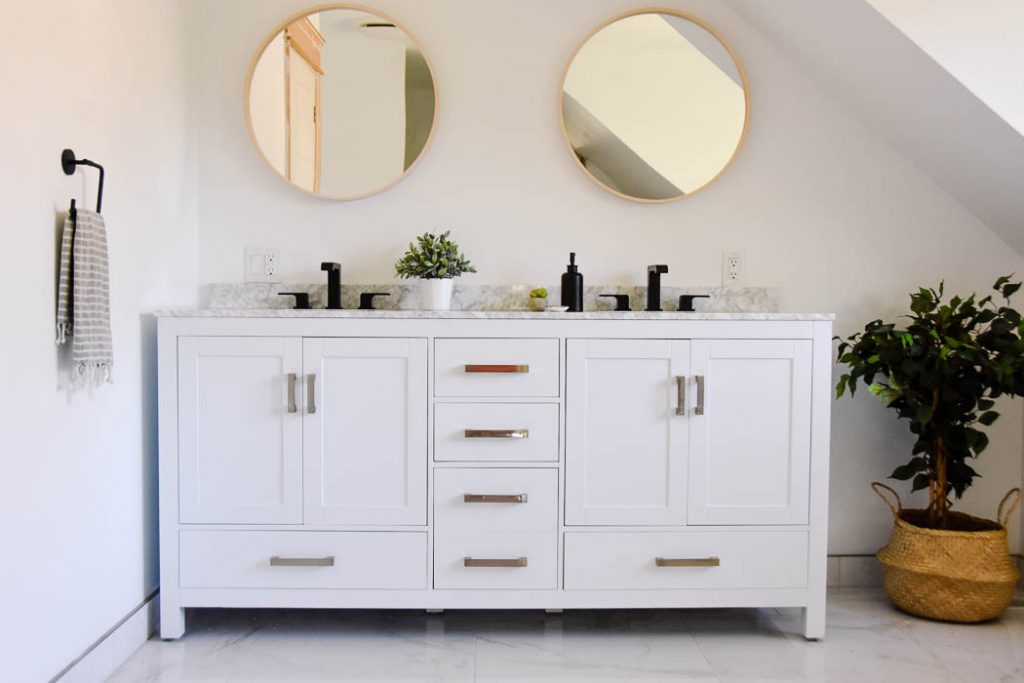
(537, 551)
(538, 488)
(595, 561)
(503, 367)
(490, 432)
(242, 559)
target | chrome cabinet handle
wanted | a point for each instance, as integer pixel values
(497, 433)
(310, 394)
(499, 369)
(277, 561)
(687, 562)
(494, 562)
(699, 408)
(292, 379)
(494, 498)
(680, 394)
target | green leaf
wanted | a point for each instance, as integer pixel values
(904, 472)
(988, 418)
(921, 481)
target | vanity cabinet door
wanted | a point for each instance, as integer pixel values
(365, 431)
(626, 440)
(750, 432)
(239, 430)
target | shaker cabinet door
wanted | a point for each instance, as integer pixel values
(365, 431)
(239, 430)
(750, 432)
(626, 432)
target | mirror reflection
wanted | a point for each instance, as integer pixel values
(341, 103)
(654, 106)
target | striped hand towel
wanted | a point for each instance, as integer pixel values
(83, 299)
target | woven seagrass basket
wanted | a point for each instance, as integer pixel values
(964, 574)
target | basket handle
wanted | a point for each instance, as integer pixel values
(1013, 506)
(898, 507)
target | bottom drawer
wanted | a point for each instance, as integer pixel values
(302, 559)
(496, 560)
(718, 559)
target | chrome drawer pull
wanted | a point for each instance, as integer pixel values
(485, 562)
(699, 408)
(687, 562)
(501, 369)
(310, 394)
(497, 433)
(680, 395)
(492, 498)
(292, 406)
(276, 561)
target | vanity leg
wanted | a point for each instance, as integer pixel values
(172, 621)
(814, 621)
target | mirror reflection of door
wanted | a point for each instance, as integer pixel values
(303, 72)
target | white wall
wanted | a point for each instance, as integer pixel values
(821, 205)
(978, 42)
(111, 80)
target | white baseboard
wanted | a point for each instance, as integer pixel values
(115, 646)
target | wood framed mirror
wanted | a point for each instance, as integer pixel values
(654, 105)
(340, 101)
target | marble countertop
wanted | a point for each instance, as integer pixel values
(483, 315)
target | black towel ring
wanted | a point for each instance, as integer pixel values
(69, 163)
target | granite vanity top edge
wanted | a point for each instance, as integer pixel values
(484, 315)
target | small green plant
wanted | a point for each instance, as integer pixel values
(433, 257)
(941, 373)
(539, 293)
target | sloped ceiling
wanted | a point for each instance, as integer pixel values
(907, 98)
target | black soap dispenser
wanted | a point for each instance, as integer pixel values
(572, 286)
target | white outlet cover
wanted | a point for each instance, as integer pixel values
(262, 264)
(732, 268)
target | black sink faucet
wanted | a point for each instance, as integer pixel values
(333, 283)
(654, 274)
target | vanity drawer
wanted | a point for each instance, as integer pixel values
(302, 559)
(490, 432)
(487, 560)
(496, 367)
(495, 500)
(719, 559)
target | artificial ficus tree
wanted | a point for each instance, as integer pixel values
(942, 373)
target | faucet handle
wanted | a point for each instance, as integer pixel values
(657, 268)
(301, 298)
(686, 300)
(330, 266)
(621, 301)
(366, 300)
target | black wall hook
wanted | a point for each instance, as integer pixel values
(69, 163)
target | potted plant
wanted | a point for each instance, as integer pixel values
(941, 372)
(538, 299)
(435, 260)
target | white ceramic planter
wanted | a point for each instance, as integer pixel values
(538, 304)
(436, 294)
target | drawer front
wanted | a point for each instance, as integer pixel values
(492, 432)
(302, 559)
(495, 500)
(534, 554)
(496, 367)
(596, 561)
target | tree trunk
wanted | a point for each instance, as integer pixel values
(938, 504)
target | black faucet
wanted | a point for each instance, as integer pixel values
(333, 283)
(654, 286)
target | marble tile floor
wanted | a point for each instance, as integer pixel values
(867, 640)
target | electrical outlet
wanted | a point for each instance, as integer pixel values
(262, 264)
(732, 268)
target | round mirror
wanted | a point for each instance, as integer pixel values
(340, 101)
(655, 105)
